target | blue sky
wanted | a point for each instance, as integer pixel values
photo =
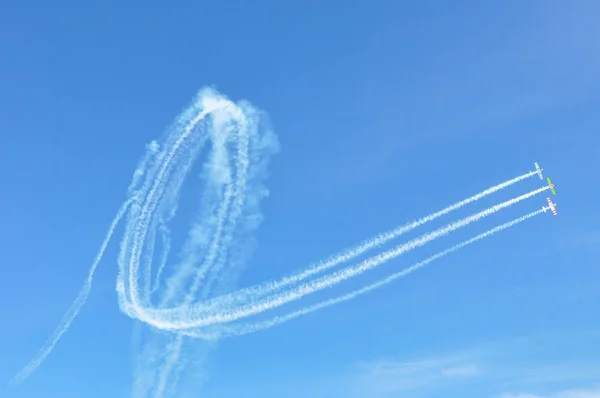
(385, 112)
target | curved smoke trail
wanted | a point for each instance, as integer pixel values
(236, 330)
(202, 315)
(254, 292)
(187, 297)
(73, 310)
(242, 144)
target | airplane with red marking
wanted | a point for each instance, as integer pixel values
(551, 206)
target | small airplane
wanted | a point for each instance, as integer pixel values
(551, 206)
(539, 171)
(552, 186)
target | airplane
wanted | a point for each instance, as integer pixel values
(552, 186)
(539, 171)
(551, 206)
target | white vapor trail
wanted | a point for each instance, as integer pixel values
(255, 292)
(194, 316)
(376, 241)
(194, 294)
(241, 329)
(242, 144)
(74, 309)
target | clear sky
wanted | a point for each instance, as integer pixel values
(385, 111)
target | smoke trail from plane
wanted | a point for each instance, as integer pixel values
(152, 201)
(230, 330)
(195, 316)
(255, 292)
(72, 312)
(192, 296)
(229, 211)
(371, 243)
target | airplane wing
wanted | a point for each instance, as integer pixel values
(551, 185)
(538, 170)
(552, 206)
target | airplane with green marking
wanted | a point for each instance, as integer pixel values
(551, 185)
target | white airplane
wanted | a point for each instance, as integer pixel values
(551, 206)
(539, 171)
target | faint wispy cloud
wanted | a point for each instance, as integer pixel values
(580, 393)
(520, 367)
(573, 393)
(567, 371)
(462, 371)
(386, 376)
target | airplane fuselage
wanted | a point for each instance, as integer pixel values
(539, 170)
(551, 206)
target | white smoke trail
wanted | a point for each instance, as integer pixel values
(166, 370)
(232, 189)
(73, 310)
(378, 240)
(228, 194)
(219, 240)
(255, 292)
(166, 247)
(229, 330)
(152, 201)
(196, 316)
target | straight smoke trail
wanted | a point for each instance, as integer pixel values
(74, 309)
(195, 316)
(255, 292)
(372, 243)
(229, 330)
